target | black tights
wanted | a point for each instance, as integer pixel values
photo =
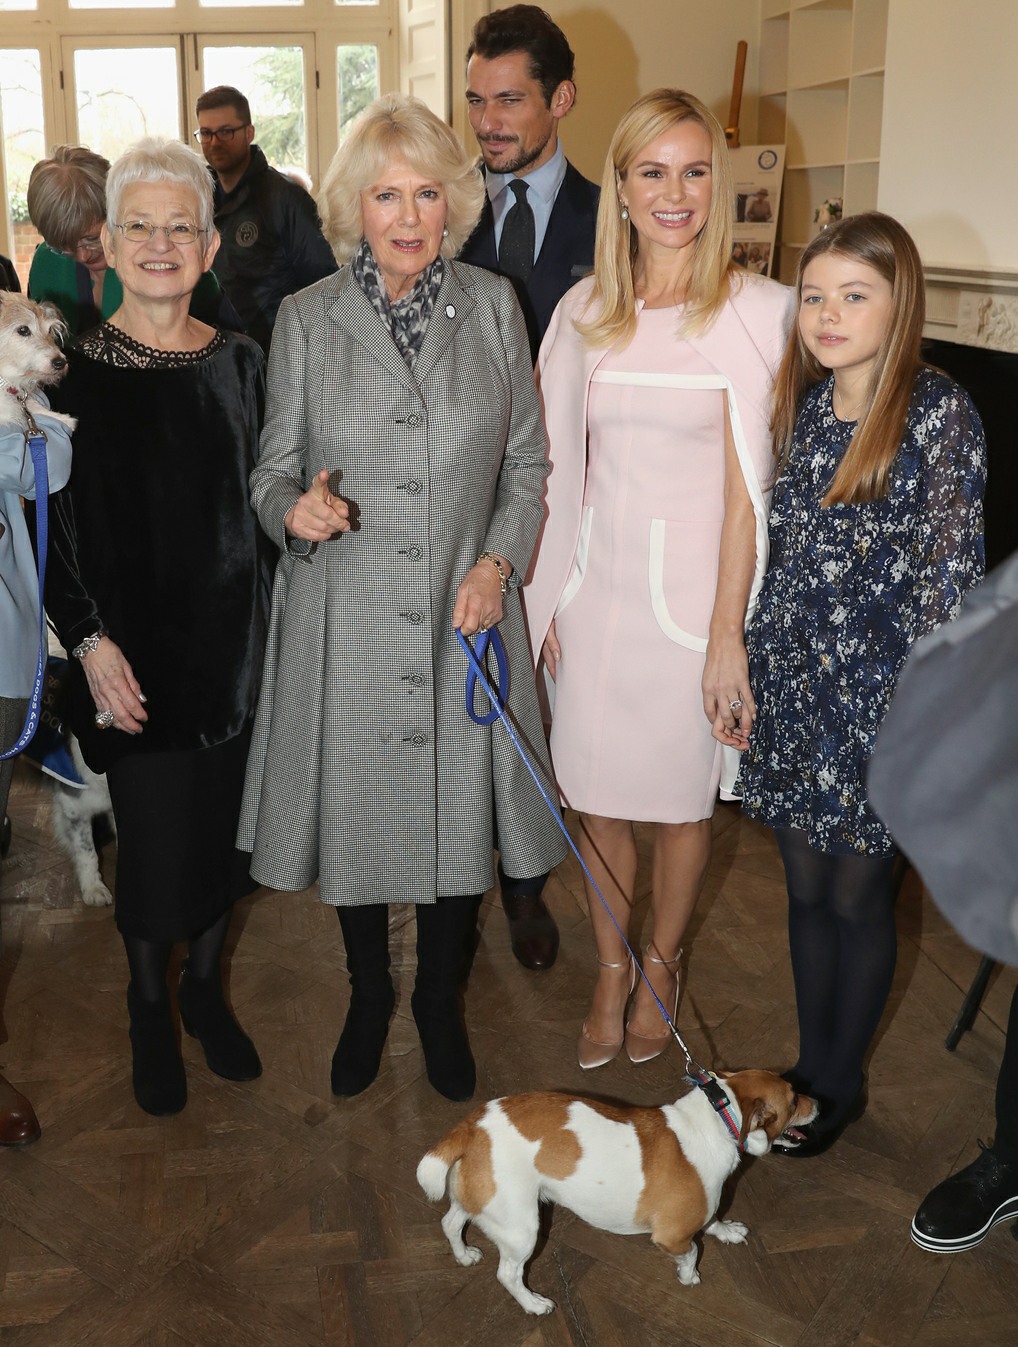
(148, 960)
(844, 945)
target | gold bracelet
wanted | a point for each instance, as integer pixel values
(503, 574)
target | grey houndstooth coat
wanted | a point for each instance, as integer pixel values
(365, 771)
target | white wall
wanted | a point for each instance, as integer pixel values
(625, 48)
(948, 159)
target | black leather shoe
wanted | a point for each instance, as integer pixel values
(960, 1212)
(532, 930)
(801, 1143)
(18, 1123)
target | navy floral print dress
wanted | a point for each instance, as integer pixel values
(848, 591)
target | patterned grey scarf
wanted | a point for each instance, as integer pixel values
(407, 319)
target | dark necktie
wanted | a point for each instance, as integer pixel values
(516, 249)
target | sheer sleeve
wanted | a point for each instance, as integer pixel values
(949, 550)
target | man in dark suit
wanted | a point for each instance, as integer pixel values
(519, 87)
(537, 227)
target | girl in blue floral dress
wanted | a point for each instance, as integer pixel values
(876, 535)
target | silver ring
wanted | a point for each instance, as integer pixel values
(482, 627)
(736, 705)
(104, 719)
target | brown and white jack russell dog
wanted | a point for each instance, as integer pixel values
(630, 1170)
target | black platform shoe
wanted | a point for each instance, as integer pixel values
(205, 1015)
(157, 1072)
(960, 1212)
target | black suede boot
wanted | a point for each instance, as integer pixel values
(205, 1015)
(358, 1053)
(445, 932)
(157, 1072)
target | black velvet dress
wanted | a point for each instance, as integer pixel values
(154, 542)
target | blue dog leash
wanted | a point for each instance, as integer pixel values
(704, 1080)
(35, 439)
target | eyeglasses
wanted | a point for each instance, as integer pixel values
(224, 133)
(92, 244)
(139, 231)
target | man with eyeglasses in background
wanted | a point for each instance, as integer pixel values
(272, 243)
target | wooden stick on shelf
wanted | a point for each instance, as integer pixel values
(732, 129)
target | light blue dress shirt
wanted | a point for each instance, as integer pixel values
(542, 189)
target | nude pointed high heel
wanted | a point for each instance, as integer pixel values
(590, 1052)
(643, 1047)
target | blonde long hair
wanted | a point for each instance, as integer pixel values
(886, 246)
(612, 304)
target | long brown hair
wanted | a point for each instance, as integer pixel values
(612, 303)
(886, 246)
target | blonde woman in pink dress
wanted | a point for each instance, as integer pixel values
(656, 377)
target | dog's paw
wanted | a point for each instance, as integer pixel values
(728, 1232)
(469, 1256)
(685, 1267)
(97, 895)
(535, 1304)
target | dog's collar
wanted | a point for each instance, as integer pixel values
(32, 431)
(719, 1101)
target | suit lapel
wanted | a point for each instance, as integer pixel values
(479, 249)
(350, 310)
(452, 305)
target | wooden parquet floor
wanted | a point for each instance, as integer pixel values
(272, 1215)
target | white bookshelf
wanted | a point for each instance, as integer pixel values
(821, 93)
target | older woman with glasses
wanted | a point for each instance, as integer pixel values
(67, 205)
(158, 585)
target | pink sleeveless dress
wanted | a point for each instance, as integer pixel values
(629, 736)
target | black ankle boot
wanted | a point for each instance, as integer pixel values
(206, 1016)
(447, 1055)
(358, 1053)
(157, 1072)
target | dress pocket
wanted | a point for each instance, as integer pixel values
(682, 574)
(579, 561)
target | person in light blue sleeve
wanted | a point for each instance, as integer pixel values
(19, 639)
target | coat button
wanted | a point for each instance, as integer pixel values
(412, 487)
(413, 617)
(413, 419)
(414, 553)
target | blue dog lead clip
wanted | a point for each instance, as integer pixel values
(486, 639)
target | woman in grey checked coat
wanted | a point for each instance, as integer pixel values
(401, 472)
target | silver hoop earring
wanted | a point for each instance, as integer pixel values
(625, 212)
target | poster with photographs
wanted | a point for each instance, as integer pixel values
(757, 171)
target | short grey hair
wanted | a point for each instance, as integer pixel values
(153, 160)
(397, 125)
(67, 195)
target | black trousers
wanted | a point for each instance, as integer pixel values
(1005, 1144)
